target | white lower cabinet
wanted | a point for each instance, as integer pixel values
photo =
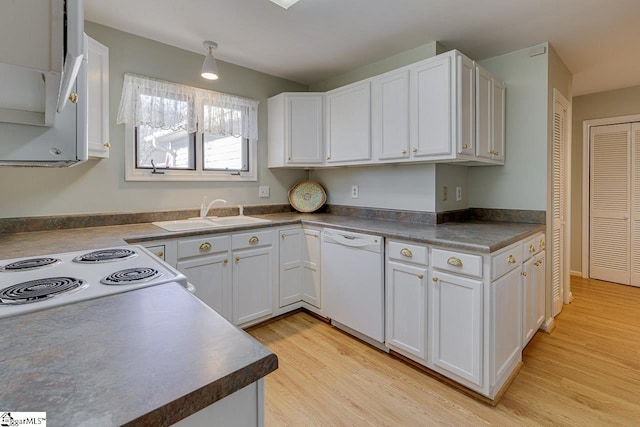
(506, 325)
(406, 308)
(252, 276)
(466, 321)
(211, 276)
(456, 325)
(529, 301)
(311, 289)
(290, 266)
(232, 273)
(300, 269)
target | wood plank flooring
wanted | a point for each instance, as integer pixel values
(586, 373)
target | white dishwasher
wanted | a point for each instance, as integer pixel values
(353, 281)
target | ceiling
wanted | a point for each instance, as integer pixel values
(598, 40)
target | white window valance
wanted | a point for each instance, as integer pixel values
(168, 105)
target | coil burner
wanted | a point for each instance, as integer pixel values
(40, 289)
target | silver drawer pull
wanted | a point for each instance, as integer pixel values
(456, 262)
(253, 240)
(406, 252)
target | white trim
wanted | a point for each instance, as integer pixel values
(576, 273)
(586, 129)
(133, 174)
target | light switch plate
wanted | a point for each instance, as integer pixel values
(263, 191)
(458, 194)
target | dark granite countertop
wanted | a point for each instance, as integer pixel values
(149, 357)
(477, 236)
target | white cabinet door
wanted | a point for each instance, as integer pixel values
(506, 319)
(431, 107)
(456, 326)
(252, 284)
(540, 288)
(290, 266)
(490, 104)
(348, 123)
(295, 129)
(311, 289)
(304, 128)
(98, 98)
(484, 88)
(529, 300)
(211, 275)
(497, 120)
(390, 115)
(466, 108)
(406, 306)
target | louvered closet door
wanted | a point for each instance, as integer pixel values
(610, 203)
(558, 204)
(635, 204)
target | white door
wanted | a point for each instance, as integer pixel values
(455, 325)
(484, 89)
(211, 275)
(406, 307)
(609, 203)
(635, 204)
(349, 123)
(305, 126)
(311, 290)
(290, 266)
(390, 115)
(466, 105)
(506, 318)
(252, 298)
(559, 248)
(431, 114)
(529, 300)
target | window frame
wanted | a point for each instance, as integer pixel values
(132, 173)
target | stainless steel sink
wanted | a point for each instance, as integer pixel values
(204, 223)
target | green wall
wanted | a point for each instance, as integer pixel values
(522, 182)
(99, 185)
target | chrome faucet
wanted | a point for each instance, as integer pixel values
(204, 209)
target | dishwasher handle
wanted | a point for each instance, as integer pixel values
(349, 240)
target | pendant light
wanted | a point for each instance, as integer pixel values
(209, 66)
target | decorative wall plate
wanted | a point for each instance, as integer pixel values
(307, 196)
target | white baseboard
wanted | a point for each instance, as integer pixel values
(575, 273)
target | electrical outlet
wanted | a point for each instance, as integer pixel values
(263, 191)
(458, 194)
(355, 192)
(445, 194)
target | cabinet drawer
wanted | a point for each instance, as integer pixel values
(532, 246)
(157, 250)
(407, 252)
(251, 239)
(457, 262)
(202, 246)
(506, 260)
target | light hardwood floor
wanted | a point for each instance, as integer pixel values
(586, 373)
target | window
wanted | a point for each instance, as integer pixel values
(179, 133)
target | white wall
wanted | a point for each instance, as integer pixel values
(522, 182)
(99, 186)
(451, 176)
(405, 187)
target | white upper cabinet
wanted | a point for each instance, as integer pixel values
(348, 124)
(390, 115)
(296, 126)
(98, 98)
(432, 108)
(442, 109)
(490, 97)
